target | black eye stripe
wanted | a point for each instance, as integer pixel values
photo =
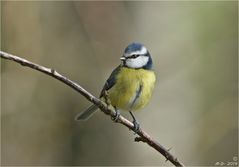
(133, 56)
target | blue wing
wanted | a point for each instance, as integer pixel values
(109, 84)
(111, 80)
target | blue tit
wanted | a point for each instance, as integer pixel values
(130, 85)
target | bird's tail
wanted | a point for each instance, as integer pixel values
(86, 114)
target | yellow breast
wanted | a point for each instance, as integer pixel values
(128, 82)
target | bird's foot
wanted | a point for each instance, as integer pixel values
(136, 126)
(116, 116)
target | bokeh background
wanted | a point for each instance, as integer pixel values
(194, 107)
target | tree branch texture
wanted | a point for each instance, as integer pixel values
(142, 135)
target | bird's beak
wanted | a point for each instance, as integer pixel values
(122, 58)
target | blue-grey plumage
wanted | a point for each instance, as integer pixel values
(90, 110)
(131, 84)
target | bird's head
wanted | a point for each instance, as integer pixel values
(136, 56)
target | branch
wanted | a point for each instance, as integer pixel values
(143, 136)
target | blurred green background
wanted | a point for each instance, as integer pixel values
(194, 107)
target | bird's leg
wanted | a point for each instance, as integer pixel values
(136, 124)
(116, 116)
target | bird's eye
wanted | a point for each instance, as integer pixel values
(134, 56)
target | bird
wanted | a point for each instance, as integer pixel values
(130, 85)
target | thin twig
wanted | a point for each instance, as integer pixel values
(143, 136)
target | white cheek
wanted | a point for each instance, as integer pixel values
(137, 62)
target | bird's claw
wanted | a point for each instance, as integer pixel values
(116, 116)
(136, 126)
